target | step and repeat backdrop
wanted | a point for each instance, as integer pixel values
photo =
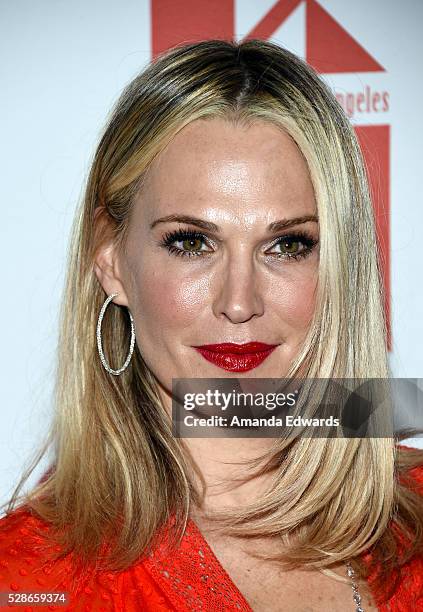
(64, 65)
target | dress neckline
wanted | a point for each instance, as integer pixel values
(213, 558)
(198, 534)
(193, 578)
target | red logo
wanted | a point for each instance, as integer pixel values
(329, 47)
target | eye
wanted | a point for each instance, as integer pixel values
(190, 243)
(293, 246)
(186, 243)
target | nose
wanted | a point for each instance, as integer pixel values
(237, 294)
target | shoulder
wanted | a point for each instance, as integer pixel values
(408, 576)
(415, 474)
(407, 583)
(27, 564)
(25, 553)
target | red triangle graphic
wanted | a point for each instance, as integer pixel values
(329, 47)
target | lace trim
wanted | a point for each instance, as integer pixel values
(194, 562)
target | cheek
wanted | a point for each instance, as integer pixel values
(294, 300)
(170, 301)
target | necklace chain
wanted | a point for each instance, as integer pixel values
(356, 594)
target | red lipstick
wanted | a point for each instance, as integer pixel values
(236, 357)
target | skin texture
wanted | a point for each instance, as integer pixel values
(241, 179)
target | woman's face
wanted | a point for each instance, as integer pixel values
(205, 262)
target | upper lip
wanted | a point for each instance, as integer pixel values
(231, 347)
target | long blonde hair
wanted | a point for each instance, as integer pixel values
(118, 473)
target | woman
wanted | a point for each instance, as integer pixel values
(226, 204)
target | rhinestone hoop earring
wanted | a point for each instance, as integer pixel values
(99, 343)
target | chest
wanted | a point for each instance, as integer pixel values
(265, 586)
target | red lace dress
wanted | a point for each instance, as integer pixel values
(190, 579)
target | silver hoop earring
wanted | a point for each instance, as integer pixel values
(99, 343)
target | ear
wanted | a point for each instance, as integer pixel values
(106, 264)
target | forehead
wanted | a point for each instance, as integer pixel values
(214, 163)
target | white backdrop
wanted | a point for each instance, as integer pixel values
(63, 66)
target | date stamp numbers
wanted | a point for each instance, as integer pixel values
(45, 598)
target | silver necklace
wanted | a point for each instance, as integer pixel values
(356, 594)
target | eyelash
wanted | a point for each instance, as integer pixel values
(306, 239)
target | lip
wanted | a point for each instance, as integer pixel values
(236, 357)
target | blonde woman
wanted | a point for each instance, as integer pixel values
(226, 231)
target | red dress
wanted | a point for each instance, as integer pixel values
(190, 579)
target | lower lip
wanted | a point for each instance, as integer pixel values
(236, 363)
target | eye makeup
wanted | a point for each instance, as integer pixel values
(291, 239)
(184, 236)
(192, 242)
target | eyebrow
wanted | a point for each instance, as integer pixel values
(212, 227)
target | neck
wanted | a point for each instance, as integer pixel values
(221, 463)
